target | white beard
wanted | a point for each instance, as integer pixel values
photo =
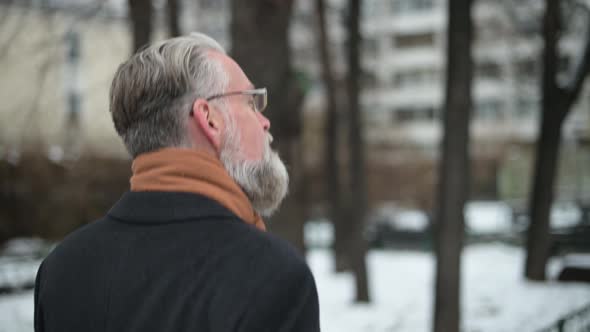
(264, 181)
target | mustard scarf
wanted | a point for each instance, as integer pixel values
(193, 171)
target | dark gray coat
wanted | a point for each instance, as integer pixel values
(174, 262)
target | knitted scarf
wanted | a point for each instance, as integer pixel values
(193, 171)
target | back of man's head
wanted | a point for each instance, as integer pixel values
(152, 92)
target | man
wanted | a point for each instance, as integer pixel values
(186, 248)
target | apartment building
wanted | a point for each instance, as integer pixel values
(403, 59)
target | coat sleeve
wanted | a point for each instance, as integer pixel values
(289, 303)
(39, 326)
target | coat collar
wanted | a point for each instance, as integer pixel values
(192, 171)
(162, 207)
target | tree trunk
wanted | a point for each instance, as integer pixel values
(453, 175)
(173, 18)
(358, 202)
(547, 151)
(259, 31)
(547, 156)
(140, 13)
(332, 169)
(557, 102)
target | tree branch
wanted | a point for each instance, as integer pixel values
(80, 15)
(573, 88)
(50, 60)
(15, 32)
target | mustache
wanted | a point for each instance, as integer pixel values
(269, 146)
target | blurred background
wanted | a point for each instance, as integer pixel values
(439, 150)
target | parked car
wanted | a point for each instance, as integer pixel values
(572, 239)
(393, 226)
(318, 233)
(19, 261)
(569, 230)
(488, 219)
(563, 215)
(575, 267)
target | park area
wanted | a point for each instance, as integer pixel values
(496, 297)
(424, 140)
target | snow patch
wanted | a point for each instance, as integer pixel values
(495, 297)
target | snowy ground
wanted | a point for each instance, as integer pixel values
(16, 312)
(495, 297)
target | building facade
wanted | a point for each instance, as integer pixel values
(403, 59)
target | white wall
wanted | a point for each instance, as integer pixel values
(32, 80)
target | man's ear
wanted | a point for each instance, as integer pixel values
(209, 121)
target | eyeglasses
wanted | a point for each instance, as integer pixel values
(259, 97)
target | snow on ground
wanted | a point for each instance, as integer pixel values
(495, 297)
(17, 273)
(16, 312)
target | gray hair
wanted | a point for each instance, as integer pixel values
(152, 92)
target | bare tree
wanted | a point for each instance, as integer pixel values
(454, 167)
(331, 166)
(358, 182)
(259, 32)
(557, 101)
(173, 10)
(140, 14)
(12, 32)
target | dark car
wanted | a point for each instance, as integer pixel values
(396, 227)
(569, 228)
(570, 239)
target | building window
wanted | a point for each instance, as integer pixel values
(372, 8)
(414, 77)
(212, 4)
(489, 31)
(425, 39)
(527, 68)
(526, 107)
(374, 115)
(370, 46)
(408, 114)
(411, 6)
(488, 70)
(489, 109)
(368, 79)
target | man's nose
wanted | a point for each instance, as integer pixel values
(264, 121)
